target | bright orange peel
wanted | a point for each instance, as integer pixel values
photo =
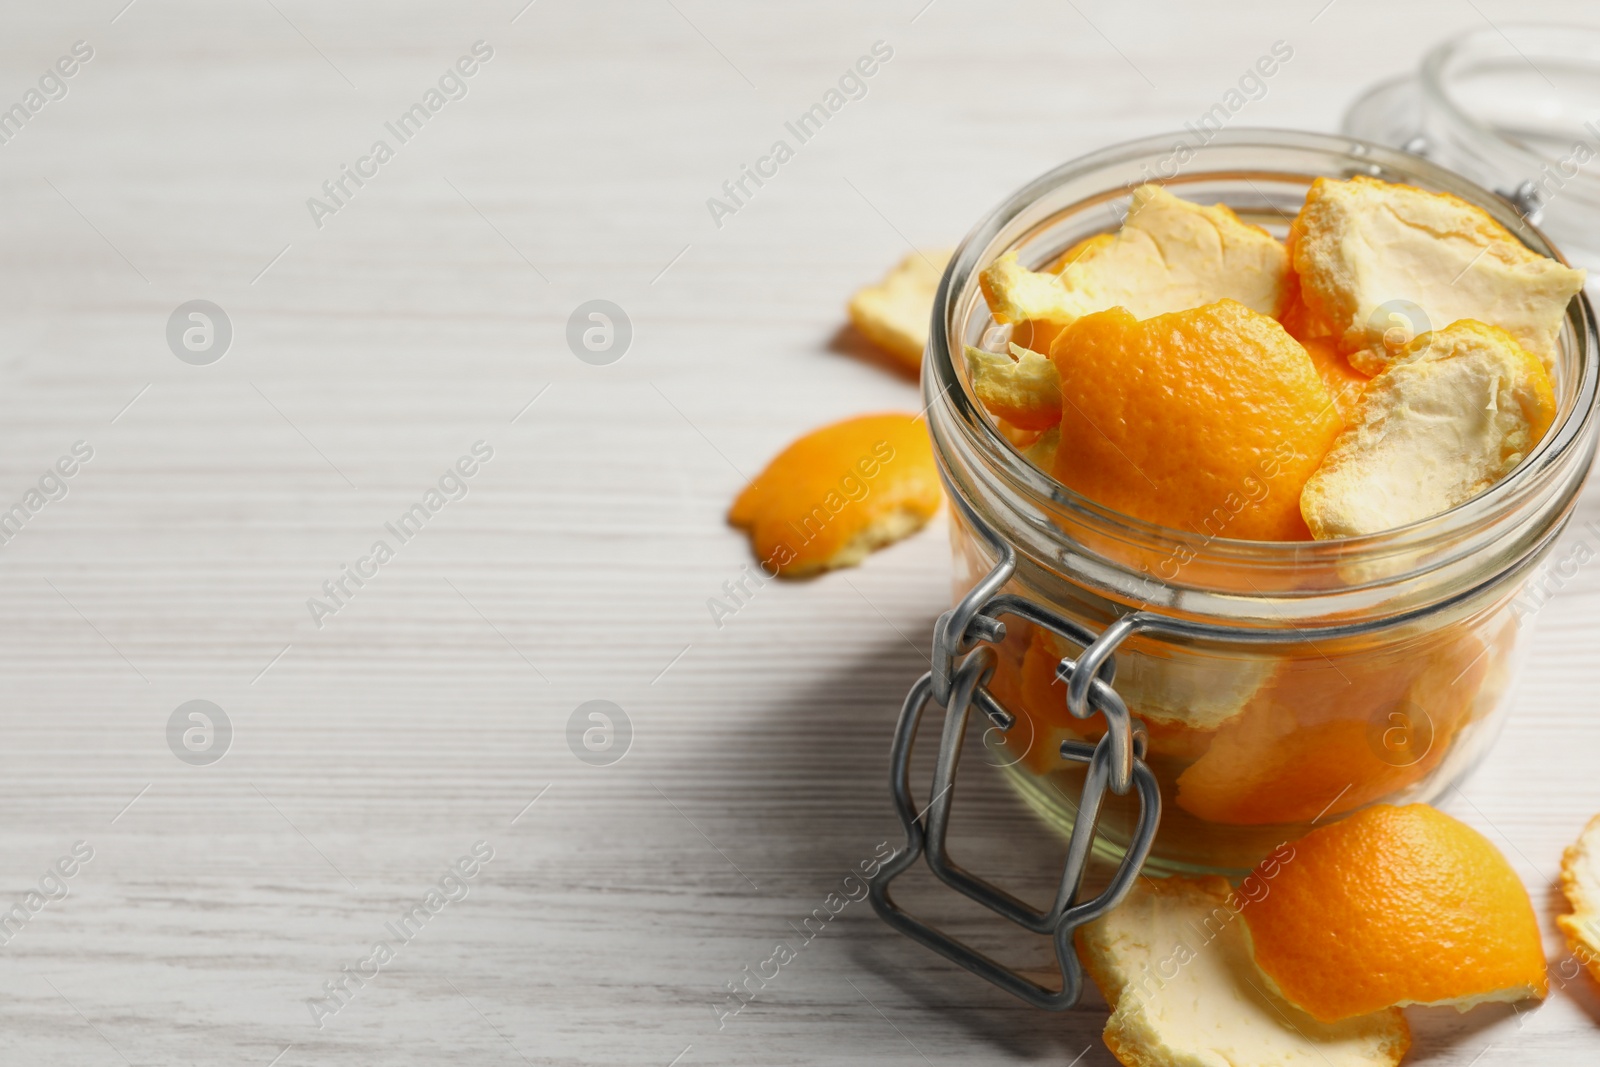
(1319, 740)
(1173, 962)
(840, 492)
(1208, 420)
(1395, 906)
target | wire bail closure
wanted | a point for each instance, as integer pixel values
(963, 661)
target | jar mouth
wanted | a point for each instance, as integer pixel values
(1282, 161)
(1489, 85)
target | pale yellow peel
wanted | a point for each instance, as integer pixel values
(1455, 413)
(1180, 687)
(1023, 388)
(1580, 881)
(1170, 255)
(1368, 252)
(1042, 453)
(894, 314)
(1174, 963)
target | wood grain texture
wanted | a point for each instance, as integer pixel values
(424, 316)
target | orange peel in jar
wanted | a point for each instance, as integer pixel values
(1022, 388)
(1319, 741)
(1379, 263)
(1343, 382)
(1170, 255)
(1040, 698)
(1298, 320)
(1173, 962)
(1178, 732)
(838, 493)
(1580, 883)
(1043, 702)
(1021, 439)
(1208, 420)
(1080, 251)
(1456, 412)
(1160, 689)
(895, 313)
(1395, 906)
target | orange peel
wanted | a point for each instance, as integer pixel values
(1380, 263)
(1208, 420)
(1580, 882)
(895, 313)
(1080, 251)
(1319, 741)
(1178, 732)
(1022, 388)
(1456, 412)
(1173, 962)
(839, 493)
(1169, 255)
(1395, 906)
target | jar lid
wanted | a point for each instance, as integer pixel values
(1516, 109)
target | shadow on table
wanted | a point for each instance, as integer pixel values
(1568, 977)
(827, 750)
(849, 341)
(1436, 1031)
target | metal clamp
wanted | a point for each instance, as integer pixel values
(1526, 199)
(963, 661)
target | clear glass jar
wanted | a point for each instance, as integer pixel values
(1516, 108)
(1256, 737)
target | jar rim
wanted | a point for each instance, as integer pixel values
(945, 385)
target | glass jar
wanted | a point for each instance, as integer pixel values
(1515, 108)
(1331, 675)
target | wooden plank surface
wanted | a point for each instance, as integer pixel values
(371, 352)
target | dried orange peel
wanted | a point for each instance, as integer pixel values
(1320, 740)
(1167, 689)
(1374, 276)
(1022, 388)
(1343, 382)
(1580, 881)
(1082, 250)
(1173, 962)
(1208, 420)
(1455, 413)
(894, 314)
(1170, 255)
(838, 493)
(1178, 732)
(1396, 906)
(1379, 263)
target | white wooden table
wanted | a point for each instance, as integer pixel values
(432, 709)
